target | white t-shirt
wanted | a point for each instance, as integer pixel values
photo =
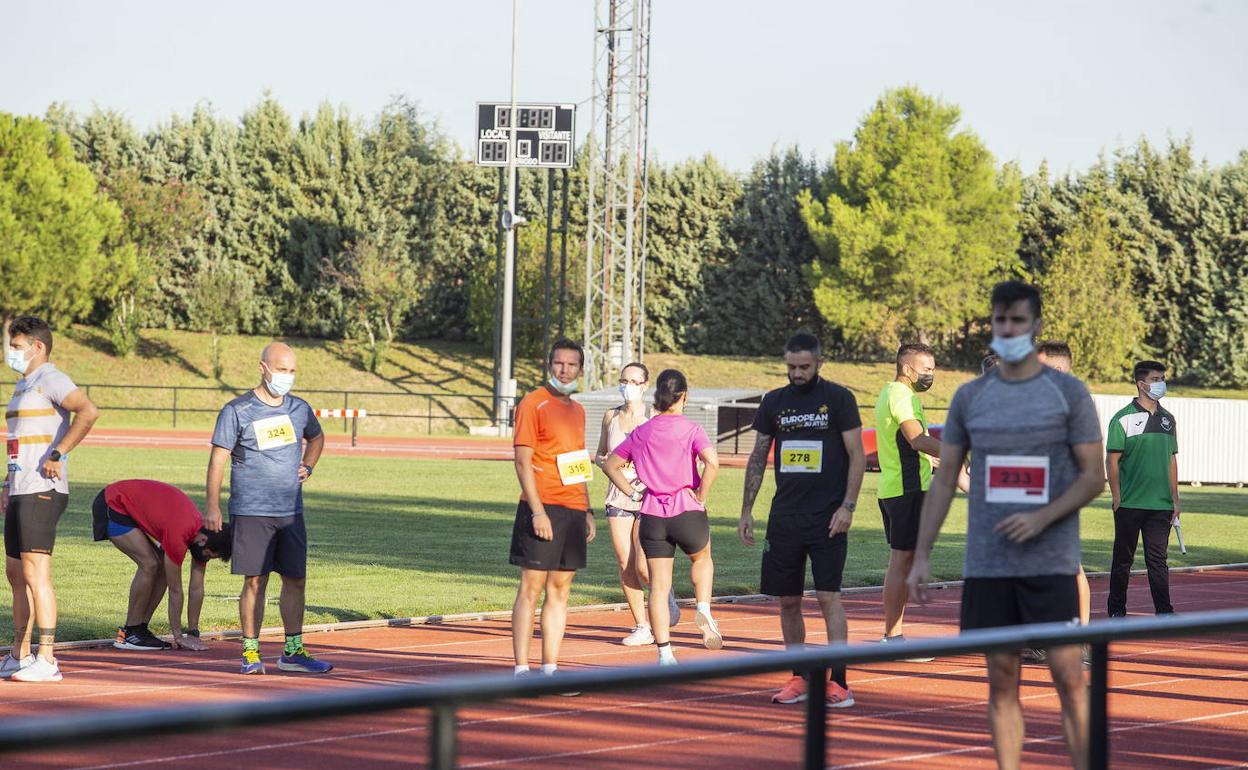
(36, 423)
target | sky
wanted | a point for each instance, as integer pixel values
(1058, 80)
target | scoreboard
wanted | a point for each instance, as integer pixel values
(545, 134)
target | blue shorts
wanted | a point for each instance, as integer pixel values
(107, 523)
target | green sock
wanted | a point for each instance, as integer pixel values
(294, 643)
(251, 644)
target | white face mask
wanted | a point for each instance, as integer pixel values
(1011, 350)
(17, 360)
(566, 389)
(630, 392)
(280, 384)
(1156, 390)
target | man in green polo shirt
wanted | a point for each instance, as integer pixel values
(904, 449)
(1142, 464)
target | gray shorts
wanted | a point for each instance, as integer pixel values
(613, 512)
(264, 544)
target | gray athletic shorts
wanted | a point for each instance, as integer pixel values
(264, 544)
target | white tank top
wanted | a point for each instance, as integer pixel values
(615, 437)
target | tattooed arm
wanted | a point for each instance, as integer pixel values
(755, 471)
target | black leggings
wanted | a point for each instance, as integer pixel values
(659, 536)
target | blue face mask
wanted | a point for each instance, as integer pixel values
(566, 390)
(17, 360)
(1011, 350)
(1156, 390)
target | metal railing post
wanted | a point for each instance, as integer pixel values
(355, 428)
(175, 406)
(816, 719)
(442, 737)
(429, 415)
(1098, 707)
(345, 394)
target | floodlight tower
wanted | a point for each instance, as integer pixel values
(616, 240)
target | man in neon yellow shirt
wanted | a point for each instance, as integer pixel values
(905, 450)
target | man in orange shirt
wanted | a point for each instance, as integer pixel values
(553, 520)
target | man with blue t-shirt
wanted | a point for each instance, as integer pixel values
(271, 441)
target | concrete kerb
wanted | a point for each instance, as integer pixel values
(468, 617)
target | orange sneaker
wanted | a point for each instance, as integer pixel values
(839, 697)
(794, 691)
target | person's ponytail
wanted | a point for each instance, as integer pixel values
(668, 389)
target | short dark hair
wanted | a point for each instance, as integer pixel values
(912, 348)
(563, 343)
(645, 373)
(33, 327)
(1008, 292)
(989, 362)
(669, 388)
(219, 543)
(1142, 368)
(1055, 349)
(803, 341)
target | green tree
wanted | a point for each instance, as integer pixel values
(690, 209)
(755, 295)
(1087, 302)
(220, 303)
(60, 239)
(380, 286)
(919, 221)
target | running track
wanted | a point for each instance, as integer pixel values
(1173, 704)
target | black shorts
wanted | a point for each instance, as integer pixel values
(264, 544)
(659, 536)
(791, 537)
(901, 520)
(565, 551)
(101, 515)
(996, 602)
(30, 522)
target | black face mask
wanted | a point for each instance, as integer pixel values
(807, 387)
(923, 382)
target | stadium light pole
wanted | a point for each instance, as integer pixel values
(506, 384)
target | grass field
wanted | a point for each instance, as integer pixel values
(446, 372)
(398, 538)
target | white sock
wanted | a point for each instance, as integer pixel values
(704, 608)
(549, 668)
(522, 669)
(665, 653)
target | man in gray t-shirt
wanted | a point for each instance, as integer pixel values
(1035, 445)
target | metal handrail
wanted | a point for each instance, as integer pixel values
(446, 696)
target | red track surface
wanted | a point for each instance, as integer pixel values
(1173, 704)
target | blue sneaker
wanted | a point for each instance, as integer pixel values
(301, 662)
(252, 664)
(673, 609)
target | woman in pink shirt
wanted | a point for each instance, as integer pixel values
(665, 452)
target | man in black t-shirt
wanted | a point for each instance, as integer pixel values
(819, 462)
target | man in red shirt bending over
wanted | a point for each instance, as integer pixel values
(156, 525)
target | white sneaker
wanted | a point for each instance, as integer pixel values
(711, 638)
(39, 671)
(669, 661)
(12, 665)
(640, 635)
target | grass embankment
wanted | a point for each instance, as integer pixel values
(397, 538)
(448, 371)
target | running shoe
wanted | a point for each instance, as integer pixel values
(252, 664)
(1034, 655)
(839, 697)
(40, 671)
(794, 691)
(711, 638)
(673, 609)
(12, 665)
(640, 635)
(139, 638)
(558, 673)
(301, 662)
(668, 661)
(902, 638)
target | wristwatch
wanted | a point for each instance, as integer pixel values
(55, 456)
(850, 505)
(306, 467)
